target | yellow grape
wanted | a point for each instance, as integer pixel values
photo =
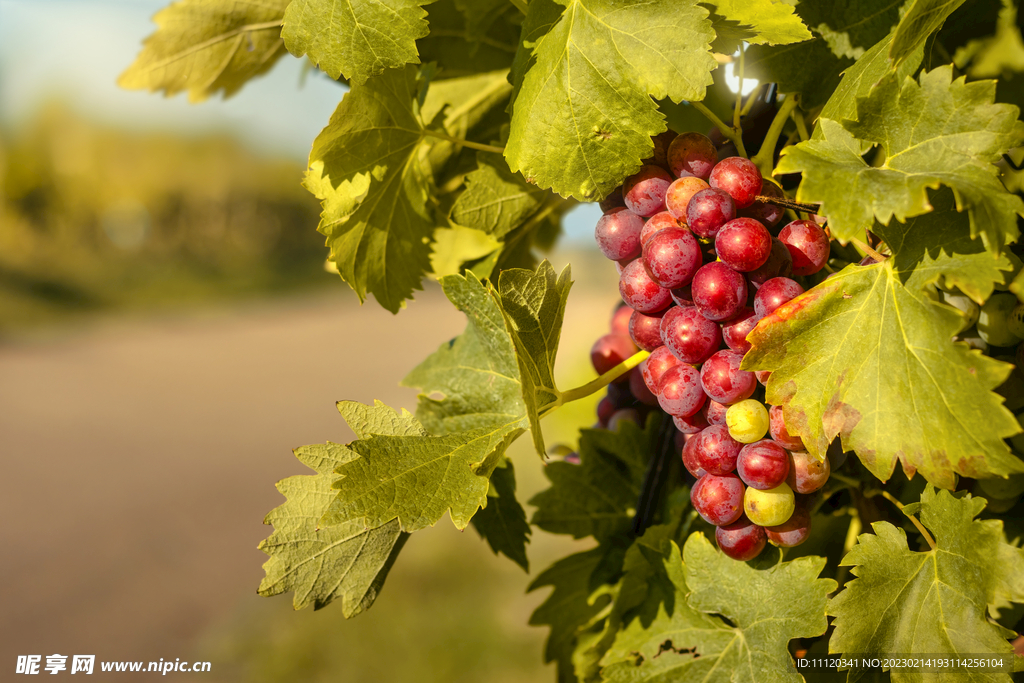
(747, 421)
(770, 507)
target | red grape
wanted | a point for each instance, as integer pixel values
(638, 388)
(690, 458)
(736, 329)
(644, 191)
(719, 292)
(681, 391)
(610, 350)
(774, 293)
(779, 264)
(618, 234)
(692, 154)
(717, 451)
(679, 194)
(723, 380)
(737, 176)
(691, 425)
(645, 330)
(605, 409)
(691, 337)
(657, 222)
(762, 465)
(656, 365)
(793, 531)
(620, 319)
(671, 257)
(743, 244)
(768, 214)
(623, 415)
(640, 292)
(806, 473)
(714, 412)
(613, 200)
(762, 376)
(808, 245)
(718, 499)
(777, 428)
(659, 157)
(742, 540)
(708, 211)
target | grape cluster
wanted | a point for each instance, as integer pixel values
(701, 261)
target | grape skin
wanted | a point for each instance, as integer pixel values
(743, 244)
(610, 350)
(770, 507)
(742, 540)
(690, 458)
(640, 292)
(715, 412)
(806, 473)
(645, 330)
(763, 465)
(779, 264)
(618, 234)
(655, 224)
(793, 531)
(723, 380)
(739, 177)
(620, 319)
(644, 191)
(775, 293)
(719, 292)
(680, 392)
(736, 329)
(691, 337)
(747, 421)
(679, 194)
(694, 424)
(708, 211)
(768, 214)
(808, 245)
(671, 257)
(692, 154)
(657, 364)
(777, 428)
(718, 499)
(717, 450)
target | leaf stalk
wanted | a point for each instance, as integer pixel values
(604, 380)
(731, 134)
(464, 143)
(920, 527)
(765, 157)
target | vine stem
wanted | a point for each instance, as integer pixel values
(788, 204)
(731, 134)
(920, 527)
(765, 157)
(737, 111)
(465, 143)
(520, 5)
(604, 380)
(867, 249)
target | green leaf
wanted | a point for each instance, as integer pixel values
(582, 116)
(204, 46)
(366, 168)
(758, 22)
(924, 18)
(937, 248)
(766, 607)
(496, 200)
(470, 36)
(858, 80)
(867, 358)
(851, 26)
(533, 303)
(416, 477)
(935, 601)
(347, 561)
(356, 39)
(598, 496)
(502, 523)
(957, 135)
(568, 606)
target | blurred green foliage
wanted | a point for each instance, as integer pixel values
(94, 218)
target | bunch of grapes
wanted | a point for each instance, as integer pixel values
(702, 260)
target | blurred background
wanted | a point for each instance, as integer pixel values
(167, 335)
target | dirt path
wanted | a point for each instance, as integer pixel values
(138, 459)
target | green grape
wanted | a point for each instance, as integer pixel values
(994, 318)
(1015, 323)
(770, 507)
(747, 421)
(967, 307)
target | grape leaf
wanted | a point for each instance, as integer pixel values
(867, 358)
(934, 601)
(346, 561)
(496, 200)
(533, 303)
(937, 248)
(766, 608)
(858, 80)
(598, 496)
(356, 39)
(470, 37)
(851, 26)
(502, 523)
(369, 169)
(204, 46)
(758, 22)
(416, 477)
(582, 115)
(476, 373)
(957, 135)
(924, 18)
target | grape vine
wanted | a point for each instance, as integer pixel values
(819, 278)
